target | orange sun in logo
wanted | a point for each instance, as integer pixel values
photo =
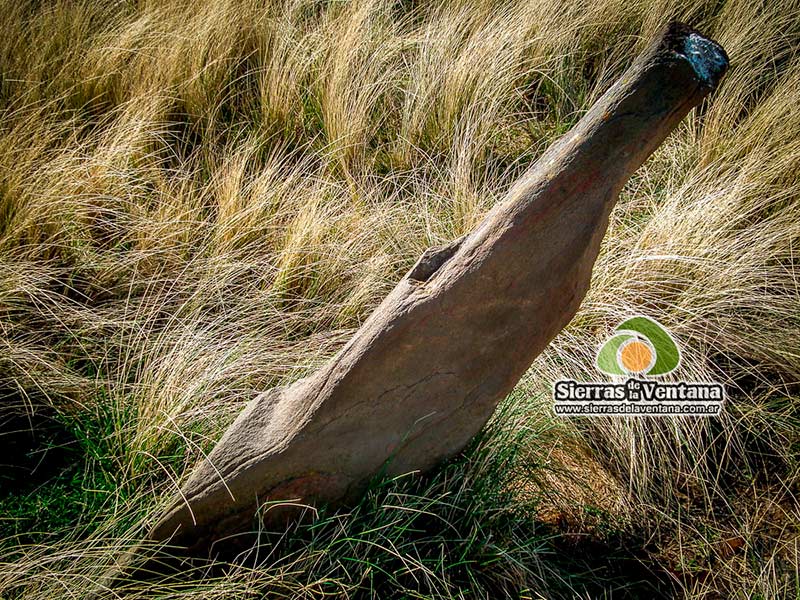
(636, 356)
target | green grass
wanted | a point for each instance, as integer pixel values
(201, 200)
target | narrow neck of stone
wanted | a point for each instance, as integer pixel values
(628, 123)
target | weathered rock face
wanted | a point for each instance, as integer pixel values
(426, 370)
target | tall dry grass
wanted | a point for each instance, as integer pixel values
(199, 200)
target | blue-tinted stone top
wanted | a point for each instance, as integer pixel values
(707, 58)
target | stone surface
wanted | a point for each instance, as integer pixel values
(428, 367)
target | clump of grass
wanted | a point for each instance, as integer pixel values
(202, 200)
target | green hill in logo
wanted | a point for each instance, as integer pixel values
(639, 345)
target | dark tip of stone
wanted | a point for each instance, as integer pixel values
(707, 57)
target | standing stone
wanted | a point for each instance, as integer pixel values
(428, 367)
